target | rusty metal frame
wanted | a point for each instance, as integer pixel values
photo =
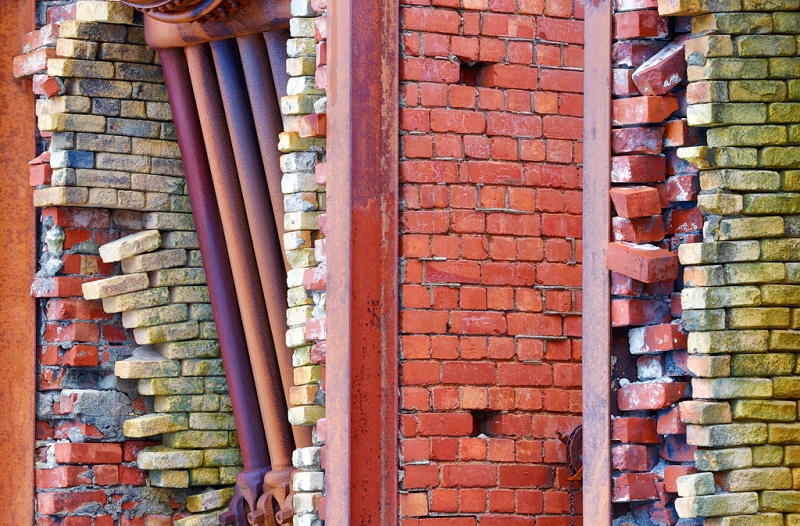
(596, 288)
(362, 360)
(18, 308)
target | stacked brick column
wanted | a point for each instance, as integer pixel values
(107, 129)
(303, 185)
(741, 293)
(654, 196)
(490, 263)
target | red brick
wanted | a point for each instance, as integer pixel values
(312, 125)
(671, 473)
(554, 30)
(630, 457)
(638, 169)
(634, 53)
(106, 475)
(88, 453)
(669, 422)
(501, 76)
(524, 374)
(631, 487)
(642, 110)
(429, 70)
(524, 476)
(643, 263)
(34, 62)
(637, 140)
(40, 174)
(561, 80)
(641, 396)
(461, 373)
(640, 24)
(131, 476)
(57, 502)
(80, 355)
(665, 70)
(658, 338)
(445, 424)
(635, 201)
(683, 220)
(626, 312)
(431, 20)
(635, 430)
(643, 230)
(682, 188)
(466, 322)
(675, 449)
(623, 85)
(469, 475)
(420, 476)
(428, 172)
(509, 425)
(62, 477)
(57, 287)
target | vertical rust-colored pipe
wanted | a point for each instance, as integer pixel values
(215, 261)
(242, 255)
(596, 288)
(263, 231)
(267, 117)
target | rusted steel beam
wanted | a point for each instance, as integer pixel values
(263, 233)
(18, 309)
(596, 289)
(254, 17)
(241, 252)
(268, 122)
(233, 346)
(362, 360)
(276, 47)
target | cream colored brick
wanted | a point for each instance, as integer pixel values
(103, 288)
(130, 246)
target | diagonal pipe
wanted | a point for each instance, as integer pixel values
(233, 346)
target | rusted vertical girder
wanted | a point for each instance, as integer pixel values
(18, 309)
(242, 254)
(596, 289)
(263, 231)
(362, 360)
(233, 346)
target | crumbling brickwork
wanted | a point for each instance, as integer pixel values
(490, 244)
(654, 197)
(303, 184)
(125, 360)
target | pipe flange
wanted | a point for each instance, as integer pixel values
(186, 11)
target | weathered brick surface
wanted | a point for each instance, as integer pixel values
(490, 247)
(737, 293)
(110, 144)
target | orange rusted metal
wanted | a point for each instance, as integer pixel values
(596, 288)
(18, 309)
(362, 359)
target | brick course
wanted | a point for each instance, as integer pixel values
(490, 247)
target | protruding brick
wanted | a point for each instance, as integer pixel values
(640, 396)
(665, 70)
(636, 201)
(645, 263)
(641, 110)
(638, 169)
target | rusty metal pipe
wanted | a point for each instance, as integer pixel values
(241, 251)
(263, 231)
(233, 346)
(276, 47)
(268, 121)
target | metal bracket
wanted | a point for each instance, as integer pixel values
(249, 485)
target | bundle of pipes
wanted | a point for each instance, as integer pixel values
(224, 80)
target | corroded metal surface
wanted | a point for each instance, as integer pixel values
(233, 346)
(256, 17)
(596, 288)
(242, 254)
(362, 360)
(18, 309)
(185, 11)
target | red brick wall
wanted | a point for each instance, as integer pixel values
(491, 130)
